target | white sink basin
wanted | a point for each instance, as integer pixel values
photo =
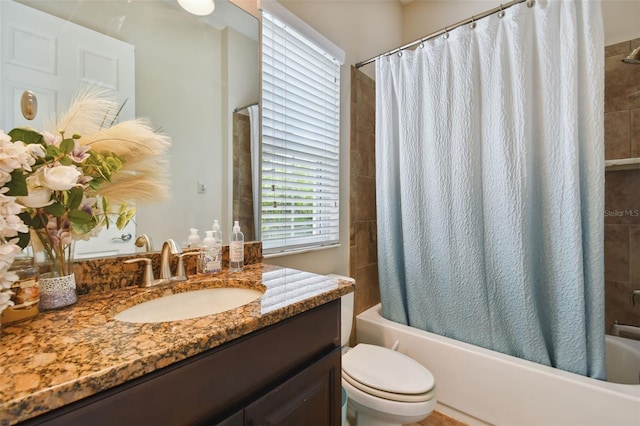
(192, 304)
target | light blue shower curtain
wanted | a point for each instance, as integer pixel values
(490, 185)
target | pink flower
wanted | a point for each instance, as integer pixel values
(59, 236)
(50, 139)
(79, 153)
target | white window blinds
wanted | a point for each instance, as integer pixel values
(300, 140)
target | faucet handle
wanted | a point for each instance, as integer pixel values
(147, 279)
(634, 293)
(180, 270)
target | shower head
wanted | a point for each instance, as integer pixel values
(634, 57)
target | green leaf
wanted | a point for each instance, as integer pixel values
(95, 184)
(26, 135)
(56, 209)
(66, 161)
(18, 184)
(23, 239)
(105, 205)
(79, 216)
(53, 151)
(75, 198)
(32, 222)
(67, 145)
(121, 221)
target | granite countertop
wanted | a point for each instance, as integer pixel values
(69, 354)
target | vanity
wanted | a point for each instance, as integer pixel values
(275, 360)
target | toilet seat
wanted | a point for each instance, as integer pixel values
(391, 396)
(387, 374)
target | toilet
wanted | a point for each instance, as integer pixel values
(384, 387)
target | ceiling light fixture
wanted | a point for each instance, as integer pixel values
(198, 7)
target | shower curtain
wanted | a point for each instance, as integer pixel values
(490, 185)
(254, 122)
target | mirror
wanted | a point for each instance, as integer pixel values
(188, 74)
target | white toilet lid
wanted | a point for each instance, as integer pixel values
(386, 370)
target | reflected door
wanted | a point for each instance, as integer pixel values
(53, 58)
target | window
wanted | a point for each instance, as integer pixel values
(300, 137)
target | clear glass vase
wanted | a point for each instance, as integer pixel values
(54, 258)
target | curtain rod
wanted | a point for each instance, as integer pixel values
(245, 107)
(500, 9)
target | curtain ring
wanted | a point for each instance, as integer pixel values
(421, 43)
(473, 22)
(501, 13)
(400, 53)
(446, 33)
(530, 3)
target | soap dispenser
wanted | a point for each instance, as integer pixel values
(194, 238)
(208, 253)
(217, 234)
(236, 249)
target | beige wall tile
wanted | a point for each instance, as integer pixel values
(617, 135)
(363, 260)
(616, 252)
(622, 85)
(617, 49)
(622, 197)
(634, 255)
(618, 304)
(634, 127)
(367, 287)
(366, 198)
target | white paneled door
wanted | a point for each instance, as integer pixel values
(53, 58)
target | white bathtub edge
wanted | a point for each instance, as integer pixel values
(500, 389)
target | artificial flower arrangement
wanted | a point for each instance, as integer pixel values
(59, 185)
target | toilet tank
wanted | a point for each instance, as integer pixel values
(346, 311)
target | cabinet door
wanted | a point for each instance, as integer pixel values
(311, 397)
(236, 419)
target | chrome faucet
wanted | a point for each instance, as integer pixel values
(169, 247)
(634, 293)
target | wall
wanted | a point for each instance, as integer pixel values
(422, 17)
(189, 77)
(365, 29)
(242, 182)
(363, 264)
(196, 151)
(240, 87)
(622, 198)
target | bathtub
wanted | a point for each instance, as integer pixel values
(480, 386)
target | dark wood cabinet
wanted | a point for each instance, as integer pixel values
(285, 374)
(309, 398)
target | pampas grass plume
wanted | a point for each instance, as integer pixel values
(144, 176)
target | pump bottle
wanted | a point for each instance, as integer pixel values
(208, 255)
(236, 249)
(194, 238)
(217, 234)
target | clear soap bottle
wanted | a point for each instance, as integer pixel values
(236, 249)
(194, 238)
